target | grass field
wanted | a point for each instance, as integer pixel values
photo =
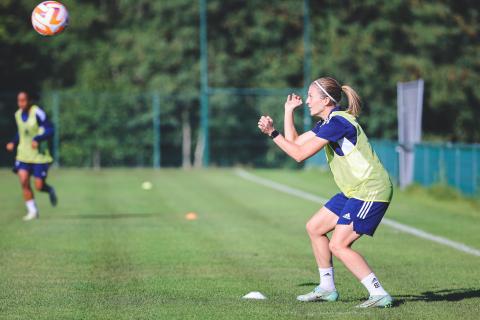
(112, 250)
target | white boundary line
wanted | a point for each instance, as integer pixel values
(393, 224)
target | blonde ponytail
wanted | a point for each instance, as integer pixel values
(329, 87)
(354, 101)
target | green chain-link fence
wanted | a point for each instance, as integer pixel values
(456, 165)
(105, 129)
(148, 129)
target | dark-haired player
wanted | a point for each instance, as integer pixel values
(33, 155)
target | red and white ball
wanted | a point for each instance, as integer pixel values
(49, 18)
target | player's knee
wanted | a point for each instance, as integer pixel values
(316, 228)
(39, 184)
(335, 247)
(312, 228)
(25, 185)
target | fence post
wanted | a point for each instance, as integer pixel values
(156, 129)
(307, 62)
(56, 121)
(442, 165)
(204, 83)
(426, 172)
(474, 169)
(457, 168)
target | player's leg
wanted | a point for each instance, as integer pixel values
(40, 172)
(320, 224)
(341, 246)
(24, 177)
(317, 227)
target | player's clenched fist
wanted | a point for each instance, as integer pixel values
(293, 102)
(265, 124)
(10, 146)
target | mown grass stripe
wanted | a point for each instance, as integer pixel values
(391, 223)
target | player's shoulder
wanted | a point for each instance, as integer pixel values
(333, 122)
(343, 118)
(337, 120)
(39, 112)
(317, 126)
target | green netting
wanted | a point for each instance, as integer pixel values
(106, 129)
(237, 140)
(145, 129)
(454, 164)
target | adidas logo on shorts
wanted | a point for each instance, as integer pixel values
(346, 216)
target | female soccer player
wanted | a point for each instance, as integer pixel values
(365, 186)
(33, 156)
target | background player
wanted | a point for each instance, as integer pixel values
(34, 131)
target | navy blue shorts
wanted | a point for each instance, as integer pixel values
(38, 170)
(365, 215)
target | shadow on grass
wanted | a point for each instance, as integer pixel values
(104, 216)
(307, 284)
(427, 296)
(440, 295)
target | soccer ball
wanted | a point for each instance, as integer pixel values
(49, 18)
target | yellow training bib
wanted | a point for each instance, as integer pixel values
(27, 130)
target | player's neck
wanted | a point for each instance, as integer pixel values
(27, 109)
(326, 112)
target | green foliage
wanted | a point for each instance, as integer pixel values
(138, 46)
(375, 44)
(112, 136)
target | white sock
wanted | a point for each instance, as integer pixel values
(31, 206)
(326, 279)
(373, 285)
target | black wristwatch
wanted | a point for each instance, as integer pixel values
(274, 134)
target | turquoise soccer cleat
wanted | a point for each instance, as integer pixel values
(384, 301)
(319, 294)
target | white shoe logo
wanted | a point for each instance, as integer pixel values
(346, 216)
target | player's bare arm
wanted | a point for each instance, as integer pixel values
(299, 152)
(291, 104)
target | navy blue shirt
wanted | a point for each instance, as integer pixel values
(340, 133)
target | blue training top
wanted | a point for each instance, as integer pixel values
(340, 133)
